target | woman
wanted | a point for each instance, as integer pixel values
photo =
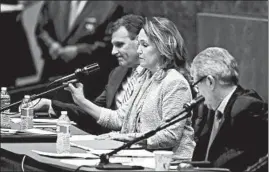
(159, 94)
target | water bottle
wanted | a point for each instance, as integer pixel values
(27, 113)
(5, 101)
(5, 98)
(63, 133)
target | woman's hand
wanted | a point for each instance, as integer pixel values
(82, 102)
(77, 92)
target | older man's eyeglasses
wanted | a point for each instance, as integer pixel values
(194, 85)
(198, 81)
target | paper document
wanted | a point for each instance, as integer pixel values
(99, 144)
(135, 153)
(82, 137)
(79, 162)
(38, 131)
(44, 126)
(38, 121)
(33, 131)
(66, 155)
(16, 120)
(8, 131)
(122, 153)
(126, 153)
(12, 114)
(95, 162)
(144, 162)
(51, 121)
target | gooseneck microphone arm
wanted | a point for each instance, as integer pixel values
(35, 96)
(104, 158)
(86, 70)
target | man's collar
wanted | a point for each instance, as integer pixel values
(225, 101)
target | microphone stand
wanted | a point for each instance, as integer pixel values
(86, 70)
(104, 158)
(34, 96)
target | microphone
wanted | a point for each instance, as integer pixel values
(194, 102)
(85, 70)
(104, 158)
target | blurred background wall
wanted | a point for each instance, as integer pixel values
(239, 26)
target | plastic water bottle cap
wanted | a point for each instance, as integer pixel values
(3, 88)
(64, 112)
(27, 96)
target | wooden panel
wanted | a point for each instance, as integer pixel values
(246, 38)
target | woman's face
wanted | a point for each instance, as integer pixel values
(149, 56)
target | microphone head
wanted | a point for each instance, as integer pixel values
(194, 102)
(78, 73)
(90, 68)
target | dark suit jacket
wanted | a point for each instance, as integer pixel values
(106, 99)
(93, 41)
(242, 137)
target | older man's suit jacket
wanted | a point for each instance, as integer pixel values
(89, 34)
(106, 99)
(242, 137)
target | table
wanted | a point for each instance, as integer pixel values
(13, 154)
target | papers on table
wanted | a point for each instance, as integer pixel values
(145, 162)
(38, 131)
(99, 147)
(8, 131)
(45, 126)
(40, 123)
(135, 153)
(48, 121)
(94, 162)
(126, 153)
(16, 120)
(12, 114)
(82, 137)
(28, 131)
(80, 162)
(66, 155)
(122, 153)
(98, 144)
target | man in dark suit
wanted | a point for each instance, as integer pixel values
(124, 32)
(72, 34)
(235, 135)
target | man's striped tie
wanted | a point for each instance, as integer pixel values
(130, 87)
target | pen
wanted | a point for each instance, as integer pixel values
(81, 147)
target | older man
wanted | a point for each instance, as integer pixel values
(119, 87)
(236, 134)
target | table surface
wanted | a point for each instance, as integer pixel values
(14, 153)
